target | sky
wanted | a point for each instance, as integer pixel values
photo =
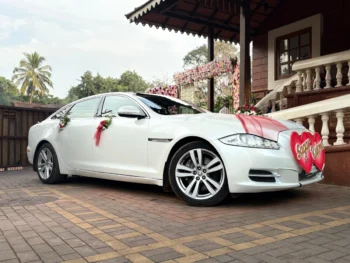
(79, 35)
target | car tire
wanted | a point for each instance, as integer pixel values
(197, 175)
(48, 169)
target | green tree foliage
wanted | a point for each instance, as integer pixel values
(131, 81)
(32, 76)
(199, 56)
(220, 102)
(8, 91)
(196, 57)
(90, 85)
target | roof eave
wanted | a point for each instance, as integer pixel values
(143, 9)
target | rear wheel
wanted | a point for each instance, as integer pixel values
(47, 165)
(197, 175)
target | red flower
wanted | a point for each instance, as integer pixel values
(246, 107)
(102, 123)
(61, 125)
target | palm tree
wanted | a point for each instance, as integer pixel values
(31, 76)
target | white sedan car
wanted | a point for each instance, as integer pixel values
(163, 141)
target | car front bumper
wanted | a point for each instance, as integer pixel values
(251, 170)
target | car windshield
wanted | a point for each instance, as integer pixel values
(168, 105)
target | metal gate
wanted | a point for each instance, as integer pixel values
(14, 126)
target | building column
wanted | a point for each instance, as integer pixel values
(244, 41)
(211, 80)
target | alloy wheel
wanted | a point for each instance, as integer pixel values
(45, 163)
(200, 174)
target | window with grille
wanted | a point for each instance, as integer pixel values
(290, 48)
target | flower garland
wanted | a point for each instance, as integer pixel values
(235, 87)
(248, 110)
(102, 126)
(168, 91)
(212, 69)
(64, 121)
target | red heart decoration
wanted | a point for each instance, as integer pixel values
(317, 151)
(300, 146)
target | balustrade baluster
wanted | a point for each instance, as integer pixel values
(311, 121)
(339, 74)
(308, 80)
(299, 83)
(273, 109)
(318, 78)
(340, 128)
(281, 101)
(325, 129)
(328, 77)
(304, 81)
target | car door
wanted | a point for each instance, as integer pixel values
(74, 142)
(123, 146)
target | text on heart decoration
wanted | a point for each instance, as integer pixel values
(308, 149)
(102, 126)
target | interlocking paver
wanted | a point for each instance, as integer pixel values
(243, 257)
(42, 248)
(29, 256)
(341, 260)
(51, 257)
(166, 256)
(6, 255)
(103, 221)
(85, 251)
(331, 255)
(63, 250)
(224, 258)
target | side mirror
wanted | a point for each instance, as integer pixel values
(131, 112)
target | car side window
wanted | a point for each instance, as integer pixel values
(84, 109)
(112, 104)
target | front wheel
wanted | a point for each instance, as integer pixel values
(197, 175)
(47, 165)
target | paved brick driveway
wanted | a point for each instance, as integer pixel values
(88, 220)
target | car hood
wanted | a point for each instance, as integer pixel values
(258, 125)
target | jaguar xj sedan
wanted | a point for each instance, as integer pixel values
(159, 140)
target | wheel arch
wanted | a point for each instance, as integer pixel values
(175, 147)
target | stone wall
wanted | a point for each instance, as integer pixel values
(187, 93)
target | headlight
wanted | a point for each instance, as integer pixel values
(248, 140)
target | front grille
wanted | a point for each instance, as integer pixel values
(262, 179)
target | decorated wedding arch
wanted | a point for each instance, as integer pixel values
(225, 71)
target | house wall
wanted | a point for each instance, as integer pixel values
(334, 33)
(260, 59)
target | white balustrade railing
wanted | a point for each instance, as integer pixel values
(308, 78)
(277, 95)
(309, 71)
(324, 110)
